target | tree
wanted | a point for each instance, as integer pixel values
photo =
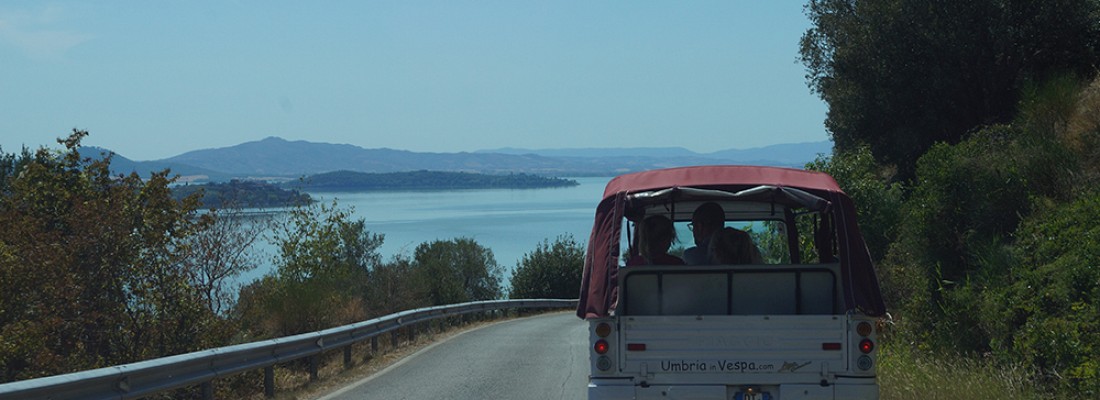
(901, 75)
(456, 271)
(552, 271)
(322, 273)
(878, 200)
(91, 273)
(220, 250)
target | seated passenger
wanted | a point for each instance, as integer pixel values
(654, 239)
(705, 221)
(734, 246)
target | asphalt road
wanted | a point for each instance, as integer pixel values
(541, 357)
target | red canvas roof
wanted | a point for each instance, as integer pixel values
(720, 175)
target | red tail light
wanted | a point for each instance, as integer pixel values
(866, 345)
(601, 347)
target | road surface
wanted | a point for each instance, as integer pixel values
(540, 357)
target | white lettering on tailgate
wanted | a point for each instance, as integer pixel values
(720, 365)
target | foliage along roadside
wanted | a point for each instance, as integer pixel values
(992, 250)
(981, 122)
(99, 269)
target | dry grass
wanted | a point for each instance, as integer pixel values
(905, 375)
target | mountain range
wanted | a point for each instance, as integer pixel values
(275, 158)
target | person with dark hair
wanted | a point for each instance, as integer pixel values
(654, 240)
(705, 221)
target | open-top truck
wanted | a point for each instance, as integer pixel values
(800, 322)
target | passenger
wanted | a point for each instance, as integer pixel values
(707, 219)
(654, 239)
(733, 246)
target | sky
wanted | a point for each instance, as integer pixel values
(154, 79)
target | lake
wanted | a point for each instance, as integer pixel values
(510, 222)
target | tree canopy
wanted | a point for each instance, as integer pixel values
(902, 75)
(91, 267)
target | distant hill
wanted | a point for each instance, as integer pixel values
(123, 165)
(278, 159)
(786, 154)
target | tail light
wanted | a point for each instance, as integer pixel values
(601, 347)
(866, 345)
(602, 341)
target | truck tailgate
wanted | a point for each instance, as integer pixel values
(733, 349)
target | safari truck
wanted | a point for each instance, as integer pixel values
(797, 322)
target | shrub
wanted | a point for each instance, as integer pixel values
(1049, 316)
(321, 273)
(552, 271)
(456, 271)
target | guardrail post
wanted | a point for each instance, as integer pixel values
(269, 381)
(208, 390)
(347, 357)
(313, 361)
(393, 338)
(373, 345)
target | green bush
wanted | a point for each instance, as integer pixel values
(1049, 316)
(958, 224)
(878, 199)
(321, 274)
(456, 271)
(552, 271)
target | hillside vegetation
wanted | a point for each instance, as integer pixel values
(968, 134)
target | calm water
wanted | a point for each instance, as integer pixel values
(510, 222)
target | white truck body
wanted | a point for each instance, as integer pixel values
(800, 325)
(731, 332)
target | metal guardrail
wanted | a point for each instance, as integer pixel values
(145, 378)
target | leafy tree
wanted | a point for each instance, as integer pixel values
(394, 287)
(221, 249)
(878, 199)
(901, 75)
(552, 271)
(456, 271)
(91, 269)
(322, 271)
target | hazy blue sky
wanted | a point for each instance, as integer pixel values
(153, 79)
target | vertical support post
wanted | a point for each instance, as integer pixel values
(208, 390)
(374, 345)
(393, 338)
(347, 357)
(313, 361)
(269, 381)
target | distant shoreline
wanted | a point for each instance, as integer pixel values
(349, 181)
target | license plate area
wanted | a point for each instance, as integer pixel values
(752, 393)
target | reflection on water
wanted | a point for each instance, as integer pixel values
(510, 222)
